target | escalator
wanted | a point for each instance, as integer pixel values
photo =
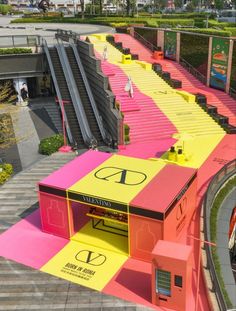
(65, 95)
(86, 101)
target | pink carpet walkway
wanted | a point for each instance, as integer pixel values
(226, 105)
(141, 114)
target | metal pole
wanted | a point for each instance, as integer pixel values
(63, 122)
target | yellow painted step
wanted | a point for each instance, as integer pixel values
(198, 149)
(180, 108)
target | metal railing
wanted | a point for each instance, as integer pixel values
(217, 182)
(193, 70)
(146, 43)
(183, 62)
(106, 138)
(20, 41)
(232, 92)
(58, 92)
(76, 99)
(65, 35)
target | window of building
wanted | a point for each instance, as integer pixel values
(163, 282)
(178, 280)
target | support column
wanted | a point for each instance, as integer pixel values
(209, 62)
(160, 39)
(230, 59)
(131, 31)
(178, 36)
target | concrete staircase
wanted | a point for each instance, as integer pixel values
(146, 121)
(25, 289)
(226, 105)
(20, 192)
(49, 104)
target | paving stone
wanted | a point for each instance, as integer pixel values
(25, 289)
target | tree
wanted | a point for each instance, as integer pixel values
(82, 8)
(8, 94)
(128, 6)
(100, 7)
(219, 4)
(44, 5)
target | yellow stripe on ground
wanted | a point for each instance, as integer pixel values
(85, 265)
(197, 150)
(109, 241)
(117, 179)
(187, 117)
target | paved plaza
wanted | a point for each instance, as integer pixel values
(22, 288)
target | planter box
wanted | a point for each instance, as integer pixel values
(230, 129)
(165, 75)
(176, 84)
(220, 119)
(201, 99)
(211, 109)
(157, 67)
(126, 51)
(134, 56)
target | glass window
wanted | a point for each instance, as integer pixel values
(178, 281)
(163, 282)
(148, 34)
(194, 50)
(233, 71)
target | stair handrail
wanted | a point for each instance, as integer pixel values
(148, 44)
(232, 92)
(217, 182)
(76, 100)
(105, 136)
(58, 92)
(193, 70)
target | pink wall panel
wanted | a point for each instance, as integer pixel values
(54, 215)
(143, 235)
(73, 171)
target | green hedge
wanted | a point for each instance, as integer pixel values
(200, 22)
(209, 31)
(15, 51)
(232, 30)
(127, 139)
(126, 129)
(43, 15)
(50, 145)
(184, 15)
(5, 9)
(113, 21)
(213, 232)
(126, 132)
(221, 25)
(6, 170)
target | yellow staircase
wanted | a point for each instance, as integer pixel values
(177, 105)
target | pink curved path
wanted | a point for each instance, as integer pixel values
(226, 147)
(142, 115)
(226, 105)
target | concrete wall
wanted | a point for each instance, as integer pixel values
(100, 87)
(24, 65)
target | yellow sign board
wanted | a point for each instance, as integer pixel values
(85, 265)
(118, 179)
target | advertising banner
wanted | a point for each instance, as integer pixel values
(20, 85)
(170, 43)
(219, 63)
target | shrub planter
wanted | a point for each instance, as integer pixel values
(50, 145)
(6, 170)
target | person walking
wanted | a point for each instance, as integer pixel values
(129, 87)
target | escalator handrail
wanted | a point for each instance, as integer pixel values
(60, 100)
(105, 136)
(75, 97)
